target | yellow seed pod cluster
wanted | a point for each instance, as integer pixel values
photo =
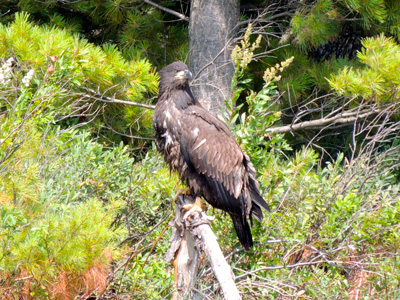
(242, 54)
(270, 74)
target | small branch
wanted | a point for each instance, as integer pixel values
(116, 101)
(106, 99)
(128, 135)
(265, 20)
(343, 118)
(170, 11)
(135, 251)
(291, 266)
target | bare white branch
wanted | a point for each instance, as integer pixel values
(347, 117)
(170, 11)
(191, 234)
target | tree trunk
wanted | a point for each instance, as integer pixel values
(211, 27)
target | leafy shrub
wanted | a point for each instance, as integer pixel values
(377, 80)
(66, 79)
(54, 253)
(86, 169)
(51, 243)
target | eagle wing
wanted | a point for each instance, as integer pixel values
(210, 148)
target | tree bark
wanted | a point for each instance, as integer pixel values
(212, 25)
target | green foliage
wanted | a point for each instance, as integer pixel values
(136, 28)
(67, 238)
(90, 170)
(324, 210)
(56, 220)
(378, 78)
(261, 112)
(305, 75)
(78, 60)
(146, 213)
(62, 71)
(369, 10)
(315, 25)
(69, 200)
(330, 223)
(45, 232)
(60, 191)
(325, 34)
(393, 18)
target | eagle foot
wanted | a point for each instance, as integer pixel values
(182, 191)
(195, 207)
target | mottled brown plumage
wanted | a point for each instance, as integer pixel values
(203, 151)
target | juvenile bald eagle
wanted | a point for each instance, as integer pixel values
(204, 152)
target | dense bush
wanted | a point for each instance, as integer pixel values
(68, 78)
(52, 244)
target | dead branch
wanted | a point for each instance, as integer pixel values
(347, 117)
(103, 98)
(192, 234)
(128, 135)
(170, 11)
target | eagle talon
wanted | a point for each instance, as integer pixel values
(182, 191)
(195, 207)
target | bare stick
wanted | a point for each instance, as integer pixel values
(191, 234)
(106, 99)
(170, 11)
(348, 117)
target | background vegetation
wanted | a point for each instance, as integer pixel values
(86, 200)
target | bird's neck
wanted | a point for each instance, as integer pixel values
(181, 97)
(188, 91)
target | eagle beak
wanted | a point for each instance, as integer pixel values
(185, 74)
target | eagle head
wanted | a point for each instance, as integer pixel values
(175, 75)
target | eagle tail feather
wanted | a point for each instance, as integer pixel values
(243, 231)
(256, 212)
(258, 199)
